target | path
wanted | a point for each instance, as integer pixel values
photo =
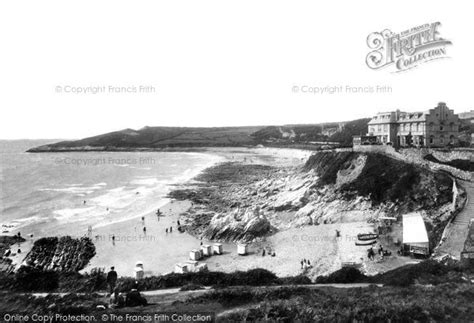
(173, 291)
(457, 232)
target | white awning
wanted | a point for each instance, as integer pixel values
(414, 230)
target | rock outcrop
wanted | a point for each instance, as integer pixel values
(236, 201)
(60, 254)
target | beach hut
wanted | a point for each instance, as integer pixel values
(181, 268)
(192, 265)
(206, 250)
(218, 248)
(195, 254)
(242, 249)
(415, 237)
(201, 267)
(139, 272)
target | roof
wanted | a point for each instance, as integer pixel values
(414, 230)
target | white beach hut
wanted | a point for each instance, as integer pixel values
(192, 265)
(201, 267)
(181, 268)
(217, 248)
(206, 250)
(415, 237)
(195, 254)
(139, 272)
(242, 249)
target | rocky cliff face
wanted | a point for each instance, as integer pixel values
(60, 254)
(244, 202)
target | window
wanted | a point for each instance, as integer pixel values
(379, 128)
(431, 139)
(432, 126)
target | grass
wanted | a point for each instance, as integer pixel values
(394, 304)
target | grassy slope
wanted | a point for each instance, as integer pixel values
(185, 137)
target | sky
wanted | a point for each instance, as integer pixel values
(214, 63)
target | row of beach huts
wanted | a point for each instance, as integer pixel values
(195, 255)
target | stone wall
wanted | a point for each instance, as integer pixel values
(415, 156)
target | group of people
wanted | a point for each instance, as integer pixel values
(270, 253)
(305, 263)
(380, 251)
(118, 299)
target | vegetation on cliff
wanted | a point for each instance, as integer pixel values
(384, 179)
(426, 272)
(300, 304)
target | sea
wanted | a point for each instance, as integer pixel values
(48, 194)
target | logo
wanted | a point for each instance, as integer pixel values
(406, 50)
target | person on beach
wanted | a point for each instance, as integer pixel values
(371, 253)
(112, 279)
(144, 230)
(171, 229)
(301, 264)
(166, 230)
(381, 250)
(263, 253)
(179, 224)
(113, 239)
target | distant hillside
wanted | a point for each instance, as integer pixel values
(340, 132)
(159, 137)
(177, 137)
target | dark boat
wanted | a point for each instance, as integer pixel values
(365, 243)
(367, 236)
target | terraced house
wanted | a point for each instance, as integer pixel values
(437, 127)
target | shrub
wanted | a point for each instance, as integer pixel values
(33, 279)
(344, 275)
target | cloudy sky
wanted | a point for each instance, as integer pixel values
(214, 63)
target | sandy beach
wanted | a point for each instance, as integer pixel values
(160, 251)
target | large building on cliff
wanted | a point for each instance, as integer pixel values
(437, 127)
